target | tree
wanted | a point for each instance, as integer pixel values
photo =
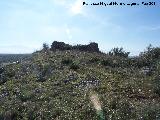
(118, 52)
(45, 47)
(151, 54)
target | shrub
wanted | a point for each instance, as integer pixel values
(1, 70)
(122, 110)
(94, 60)
(44, 72)
(150, 56)
(10, 73)
(45, 47)
(31, 115)
(56, 113)
(118, 52)
(74, 66)
(25, 95)
(41, 77)
(106, 62)
(10, 115)
(67, 61)
(156, 85)
(3, 78)
(151, 53)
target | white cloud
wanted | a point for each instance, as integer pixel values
(73, 7)
(76, 8)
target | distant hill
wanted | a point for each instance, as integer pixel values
(6, 58)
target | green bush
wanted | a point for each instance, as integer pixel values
(10, 115)
(150, 56)
(94, 60)
(156, 85)
(106, 62)
(25, 95)
(151, 53)
(40, 78)
(10, 72)
(112, 62)
(45, 46)
(118, 52)
(44, 72)
(74, 66)
(1, 70)
(67, 61)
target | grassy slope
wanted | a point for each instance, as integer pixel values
(49, 86)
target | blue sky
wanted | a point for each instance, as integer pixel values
(26, 24)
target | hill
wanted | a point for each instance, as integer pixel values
(10, 58)
(55, 84)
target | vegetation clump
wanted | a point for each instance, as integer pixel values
(74, 66)
(94, 60)
(156, 83)
(106, 62)
(67, 61)
(118, 52)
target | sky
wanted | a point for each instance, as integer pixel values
(26, 24)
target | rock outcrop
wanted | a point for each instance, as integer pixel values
(92, 47)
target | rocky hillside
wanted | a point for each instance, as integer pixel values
(55, 84)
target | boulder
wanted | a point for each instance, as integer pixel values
(60, 46)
